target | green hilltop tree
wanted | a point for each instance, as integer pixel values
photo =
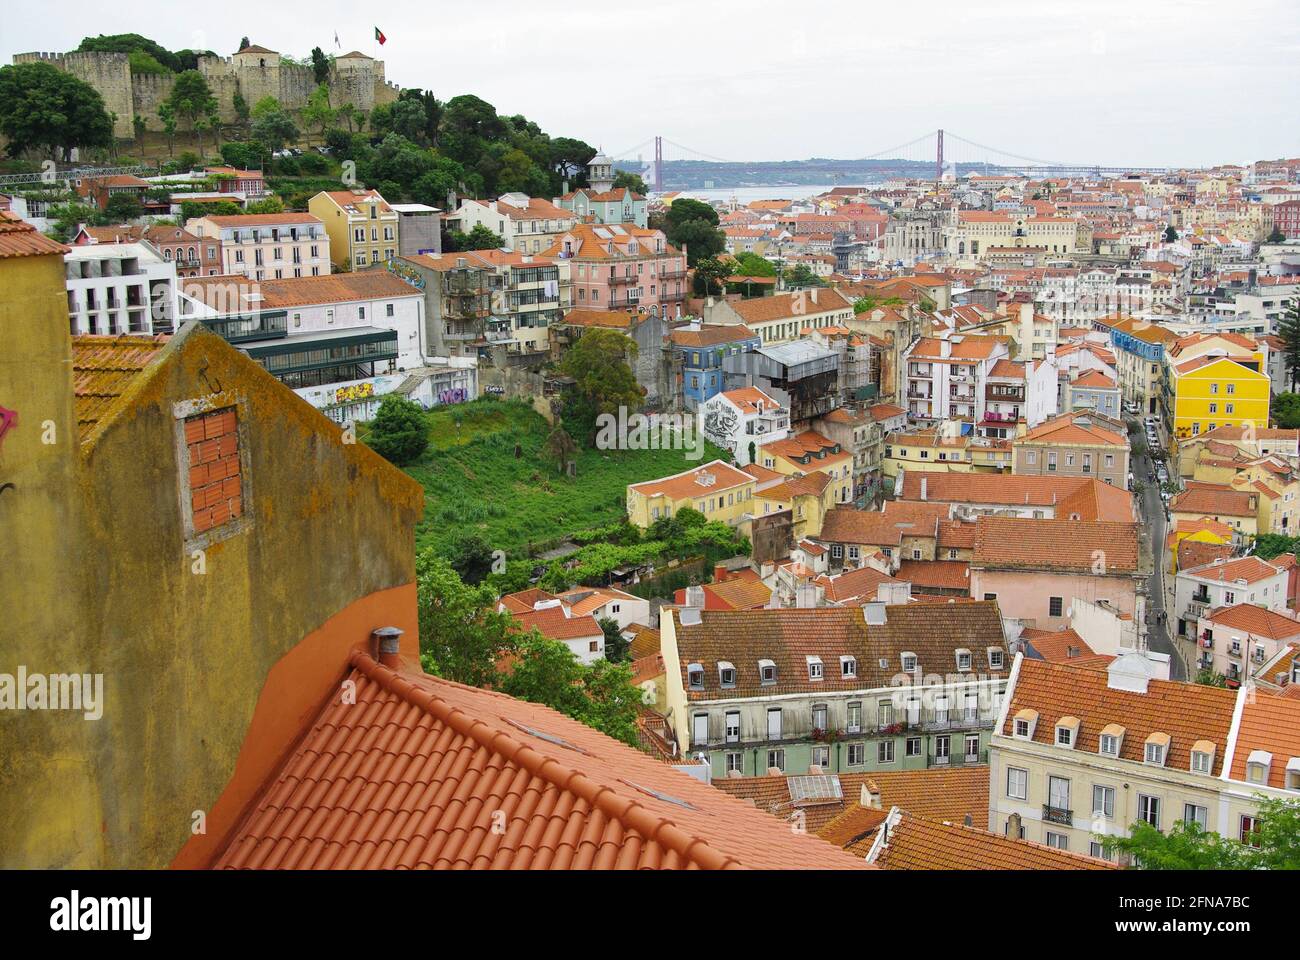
(603, 380)
(461, 633)
(1289, 332)
(318, 112)
(320, 66)
(191, 101)
(43, 109)
(400, 432)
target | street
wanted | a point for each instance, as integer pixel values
(1154, 526)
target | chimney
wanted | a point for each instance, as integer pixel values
(388, 641)
(1013, 826)
(775, 772)
(719, 572)
(869, 795)
(923, 485)
(695, 598)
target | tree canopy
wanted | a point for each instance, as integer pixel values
(603, 380)
(44, 109)
(1275, 844)
(694, 224)
(399, 433)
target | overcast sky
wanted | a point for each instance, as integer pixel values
(1153, 82)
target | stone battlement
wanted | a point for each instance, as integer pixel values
(360, 84)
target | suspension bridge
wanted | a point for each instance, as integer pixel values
(947, 151)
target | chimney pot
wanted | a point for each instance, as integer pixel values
(388, 641)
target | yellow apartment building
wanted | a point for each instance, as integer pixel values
(716, 489)
(362, 227)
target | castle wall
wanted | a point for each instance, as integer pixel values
(360, 83)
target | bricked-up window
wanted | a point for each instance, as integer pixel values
(216, 489)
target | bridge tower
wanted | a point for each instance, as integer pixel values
(938, 163)
(659, 164)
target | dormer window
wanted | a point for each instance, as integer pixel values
(1293, 773)
(726, 674)
(1023, 724)
(1111, 740)
(963, 660)
(848, 667)
(1202, 757)
(1157, 749)
(695, 676)
(1257, 766)
(814, 668)
(1067, 732)
(766, 672)
(909, 662)
(996, 658)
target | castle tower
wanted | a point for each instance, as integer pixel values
(258, 70)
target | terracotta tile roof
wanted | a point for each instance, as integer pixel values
(1065, 646)
(1186, 712)
(884, 411)
(102, 370)
(1095, 379)
(349, 200)
(917, 843)
(554, 623)
(854, 830)
(786, 306)
(20, 239)
(1195, 553)
(957, 535)
(415, 773)
(736, 595)
(854, 584)
(1089, 498)
(334, 288)
(1257, 620)
(1075, 545)
(523, 601)
(1261, 433)
(1270, 724)
(645, 641)
(712, 334)
(1250, 569)
(1008, 370)
(936, 574)
(720, 477)
(1213, 499)
(949, 793)
(851, 525)
(751, 399)
(788, 636)
(262, 219)
(1206, 525)
(1075, 428)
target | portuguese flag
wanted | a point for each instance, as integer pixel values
(379, 35)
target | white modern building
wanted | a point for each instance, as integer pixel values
(116, 288)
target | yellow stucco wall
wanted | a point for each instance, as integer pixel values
(104, 584)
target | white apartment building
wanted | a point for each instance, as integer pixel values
(1226, 583)
(268, 246)
(737, 419)
(948, 379)
(116, 288)
(526, 224)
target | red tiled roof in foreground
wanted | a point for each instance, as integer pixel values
(419, 771)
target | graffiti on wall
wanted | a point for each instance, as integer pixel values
(451, 395)
(356, 391)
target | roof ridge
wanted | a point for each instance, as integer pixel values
(627, 811)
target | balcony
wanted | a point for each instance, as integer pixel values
(1058, 815)
(1196, 608)
(1206, 642)
(672, 274)
(672, 297)
(957, 759)
(917, 395)
(619, 281)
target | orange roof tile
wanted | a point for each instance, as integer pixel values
(20, 239)
(102, 370)
(1075, 545)
(1065, 646)
(917, 843)
(702, 481)
(1187, 712)
(1257, 620)
(1270, 724)
(415, 773)
(1249, 569)
(936, 574)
